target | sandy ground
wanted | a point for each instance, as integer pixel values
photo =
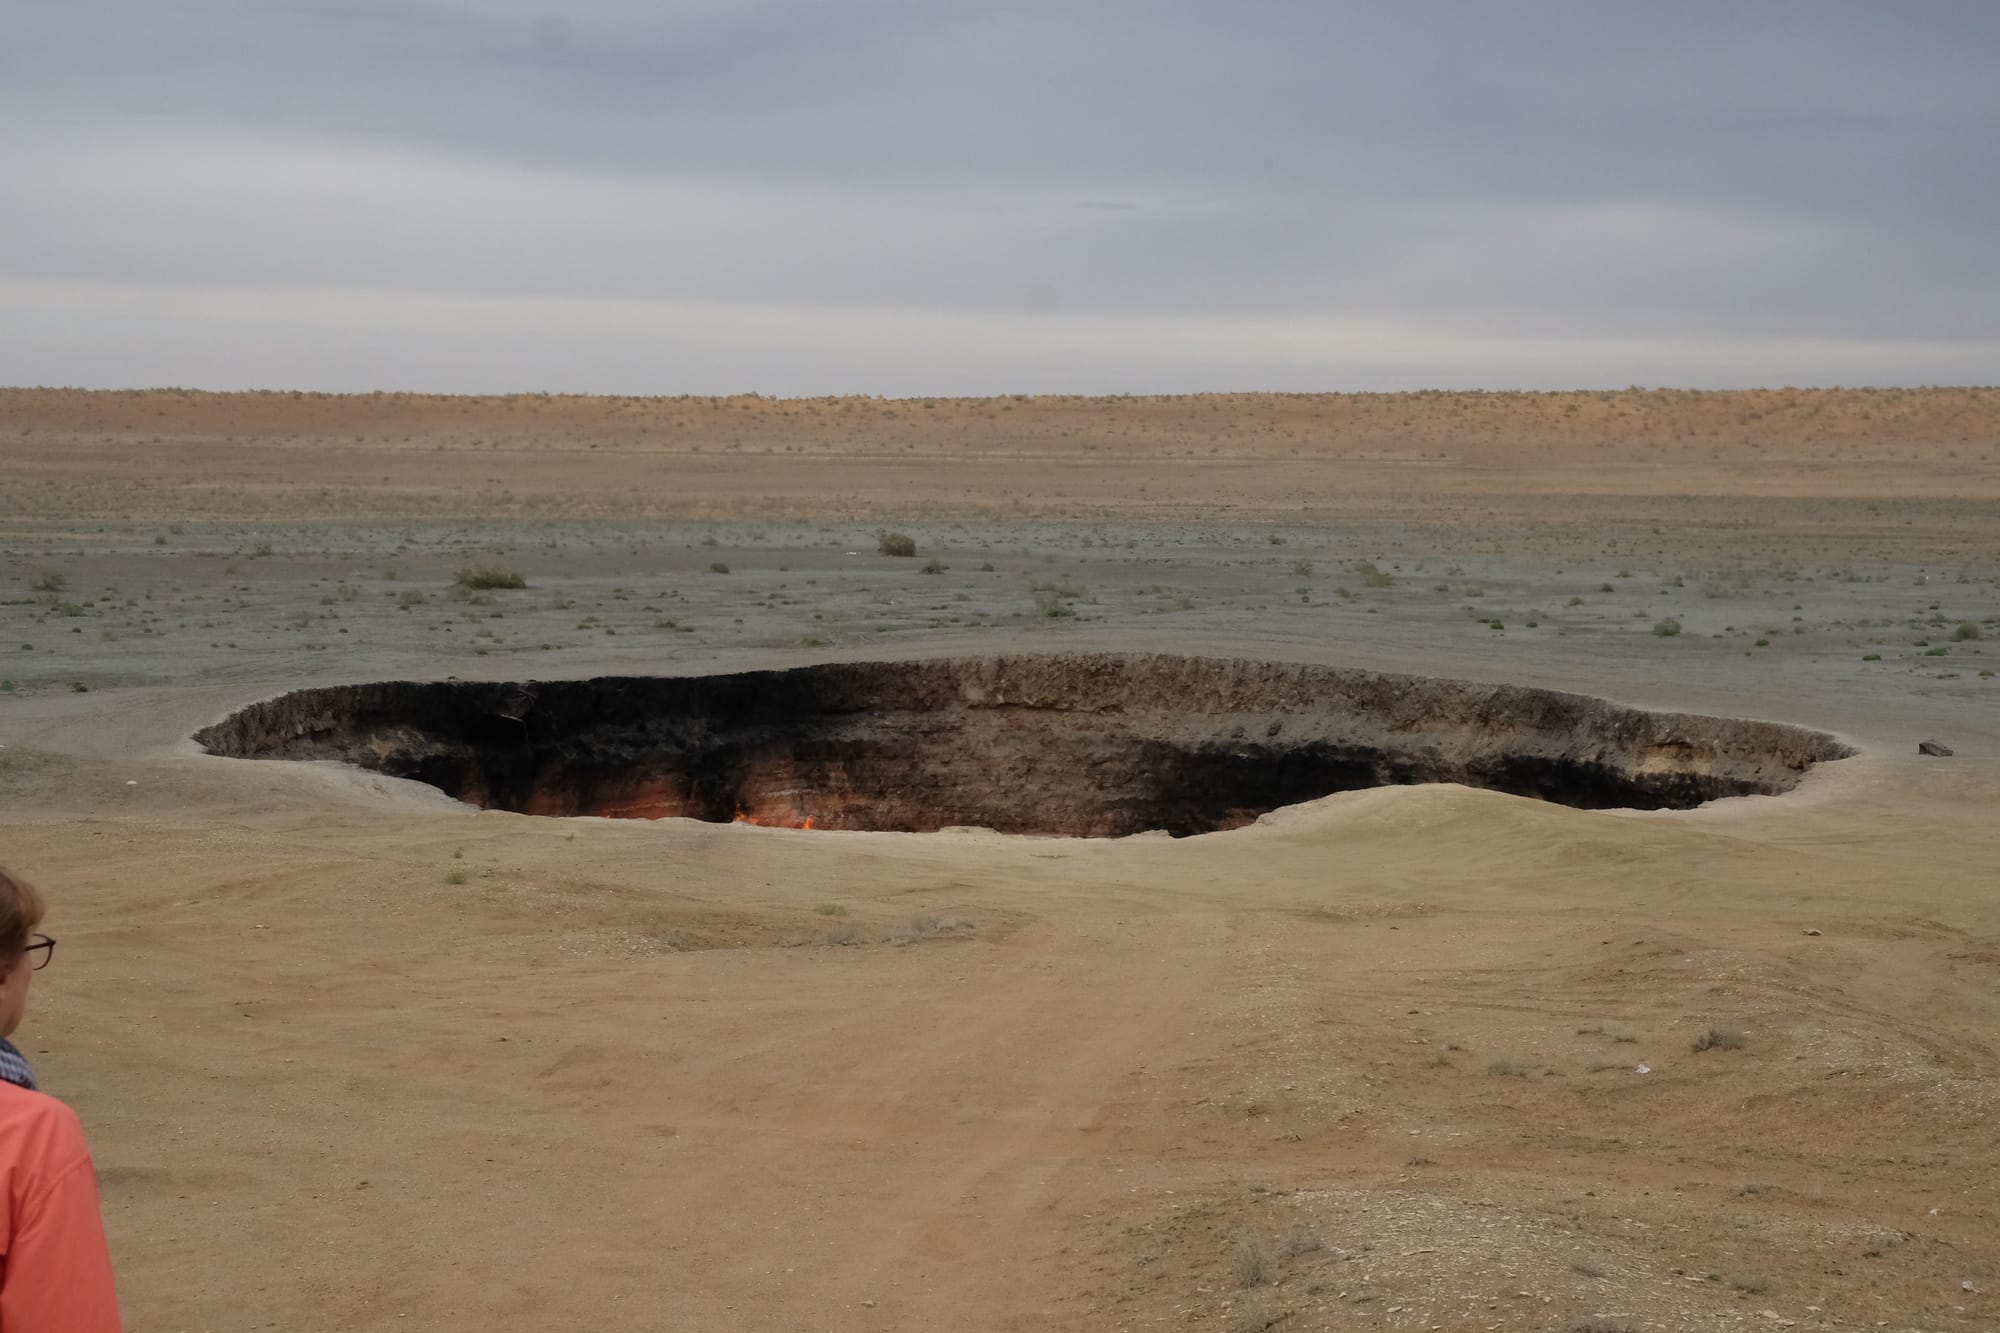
(354, 1057)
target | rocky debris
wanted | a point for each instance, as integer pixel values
(1934, 748)
(1077, 744)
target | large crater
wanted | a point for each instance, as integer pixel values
(1085, 745)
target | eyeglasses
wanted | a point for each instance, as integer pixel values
(40, 950)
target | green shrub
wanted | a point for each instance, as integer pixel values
(1966, 631)
(896, 543)
(1667, 628)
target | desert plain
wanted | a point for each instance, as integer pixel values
(355, 1056)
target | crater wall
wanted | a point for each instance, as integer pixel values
(1088, 745)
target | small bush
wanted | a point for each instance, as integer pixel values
(1507, 1068)
(1252, 1315)
(1370, 575)
(482, 577)
(896, 543)
(1720, 1039)
(1052, 604)
(455, 877)
(933, 567)
(1667, 628)
(1966, 631)
(1252, 1264)
(718, 567)
(930, 927)
(50, 581)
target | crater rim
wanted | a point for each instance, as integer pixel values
(1066, 744)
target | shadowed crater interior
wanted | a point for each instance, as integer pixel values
(1094, 745)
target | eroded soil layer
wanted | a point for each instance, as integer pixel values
(1094, 745)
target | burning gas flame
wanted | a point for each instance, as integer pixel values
(743, 816)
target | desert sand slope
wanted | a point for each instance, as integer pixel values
(353, 1056)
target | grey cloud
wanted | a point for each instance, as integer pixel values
(1575, 169)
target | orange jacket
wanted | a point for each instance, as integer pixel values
(55, 1271)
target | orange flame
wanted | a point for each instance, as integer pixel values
(743, 816)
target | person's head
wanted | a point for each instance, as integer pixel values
(20, 912)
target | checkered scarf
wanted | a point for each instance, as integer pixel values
(14, 1067)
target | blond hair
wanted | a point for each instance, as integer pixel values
(21, 909)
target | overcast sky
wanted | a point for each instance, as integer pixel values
(885, 196)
